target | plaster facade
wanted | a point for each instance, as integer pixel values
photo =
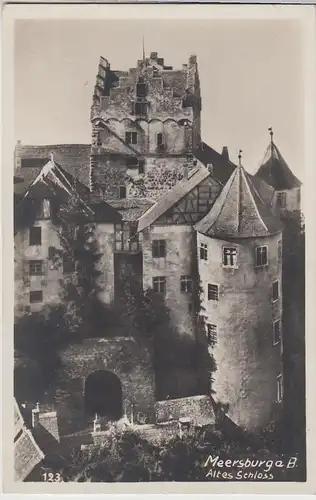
(248, 361)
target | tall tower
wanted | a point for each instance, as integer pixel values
(275, 171)
(145, 125)
(240, 265)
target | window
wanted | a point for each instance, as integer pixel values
(36, 267)
(36, 296)
(35, 235)
(126, 237)
(276, 332)
(211, 334)
(275, 290)
(203, 251)
(159, 284)
(212, 292)
(122, 192)
(42, 209)
(132, 162)
(280, 249)
(280, 388)
(281, 199)
(298, 194)
(141, 88)
(159, 139)
(131, 137)
(229, 257)
(186, 284)
(141, 166)
(159, 248)
(68, 265)
(141, 108)
(261, 256)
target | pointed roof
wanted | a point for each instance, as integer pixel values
(53, 181)
(275, 171)
(239, 211)
(172, 197)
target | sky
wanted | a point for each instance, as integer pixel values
(251, 76)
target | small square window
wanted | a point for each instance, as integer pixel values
(203, 251)
(275, 290)
(140, 109)
(261, 256)
(159, 248)
(122, 192)
(186, 284)
(229, 256)
(36, 267)
(36, 296)
(131, 137)
(276, 332)
(35, 235)
(211, 334)
(159, 284)
(280, 388)
(281, 199)
(212, 292)
(132, 162)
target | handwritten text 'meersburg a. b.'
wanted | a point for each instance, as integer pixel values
(245, 468)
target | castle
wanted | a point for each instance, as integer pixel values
(166, 205)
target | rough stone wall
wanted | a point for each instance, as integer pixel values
(160, 175)
(104, 234)
(247, 361)
(122, 356)
(24, 283)
(176, 263)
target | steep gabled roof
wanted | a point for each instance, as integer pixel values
(73, 158)
(172, 197)
(275, 171)
(222, 166)
(54, 181)
(239, 211)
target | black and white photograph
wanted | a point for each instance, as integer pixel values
(159, 176)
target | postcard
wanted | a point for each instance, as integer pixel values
(158, 332)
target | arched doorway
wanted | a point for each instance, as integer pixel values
(103, 395)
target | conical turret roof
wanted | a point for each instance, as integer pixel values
(275, 171)
(239, 211)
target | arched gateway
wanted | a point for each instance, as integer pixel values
(103, 395)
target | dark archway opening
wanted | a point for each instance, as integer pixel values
(103, 395)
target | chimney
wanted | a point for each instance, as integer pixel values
(210, 168)
(225, 154)
(35, 416)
